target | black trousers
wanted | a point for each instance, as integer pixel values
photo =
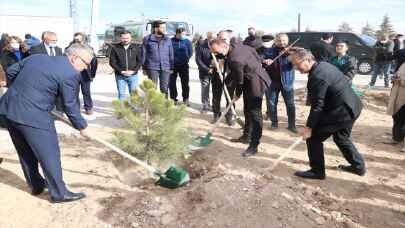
(217, 89)
(183, 72)
(253, 119)
(398, 129)
(87, 100)
(344, 143)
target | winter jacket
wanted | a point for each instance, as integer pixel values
(322, 51)
(182, 50)
(247, 73)
(253, 41)
(33, 41)
(8, 58)
(347, 64)
(122, 59)
(157, 54)
(203, 58)
(397, 97)
(383, 51)
(285, 67)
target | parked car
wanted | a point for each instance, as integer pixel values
(361, 46)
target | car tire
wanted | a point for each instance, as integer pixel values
(365, 66)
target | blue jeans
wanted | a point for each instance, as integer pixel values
(161, 78)
(377, 69)
(288, 96)
(124, 81)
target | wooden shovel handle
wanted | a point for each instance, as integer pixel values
(110, 146)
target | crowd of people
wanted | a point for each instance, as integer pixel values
(41, 77)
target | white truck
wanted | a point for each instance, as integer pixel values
(35, 25)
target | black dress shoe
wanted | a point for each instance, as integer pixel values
(310, 175)
(37, 191)
(250, 151)
(293, 130)
(69, 197)
(351, 169)
(243, 139)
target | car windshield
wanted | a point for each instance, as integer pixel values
(368, 40)
(171, 27)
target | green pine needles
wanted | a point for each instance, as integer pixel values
(157, 130)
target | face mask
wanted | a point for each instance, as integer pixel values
(251, 34)
(15, 46)
(52, 45)
(268, 44)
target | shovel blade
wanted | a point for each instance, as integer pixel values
(174, 177)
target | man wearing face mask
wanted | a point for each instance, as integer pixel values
(158, 56)
(218, 85)
(249, 77)
(88, 75)
(268, 42)
(282, 77)
(26, 107)
(14, 51)
(183, 50)
(48, 45)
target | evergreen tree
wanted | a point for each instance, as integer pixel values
(386, 27)
(157, 128)
(368, 30)
(345, 27)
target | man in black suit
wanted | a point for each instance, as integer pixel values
(249, 77)
(33, 85)
(334, 109)
(323, 50)
(48, 46)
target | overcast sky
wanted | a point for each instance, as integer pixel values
(269, 15)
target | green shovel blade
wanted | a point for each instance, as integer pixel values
(174, 177)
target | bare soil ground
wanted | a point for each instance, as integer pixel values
(226, 190)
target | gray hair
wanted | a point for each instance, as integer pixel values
(47, 33)
(79, 49)
(279, 35)
(302, 54)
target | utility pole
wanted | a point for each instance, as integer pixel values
(74, 15)
(299, 22)
(93, 25)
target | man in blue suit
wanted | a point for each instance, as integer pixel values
(33, 86)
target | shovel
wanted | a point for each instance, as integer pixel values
(174, 177)
(228, 98)
(279, 159)
(206, 140)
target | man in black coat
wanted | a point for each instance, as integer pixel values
(252, 39)
(334, 109)
(249, 77)
(323, 50)
(48, 45)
